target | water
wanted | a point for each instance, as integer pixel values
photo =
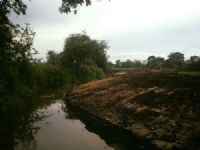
(53, 125)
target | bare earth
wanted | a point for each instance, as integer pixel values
(163, 108)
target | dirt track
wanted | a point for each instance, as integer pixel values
(163, 108)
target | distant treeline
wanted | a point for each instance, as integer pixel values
(175, 60)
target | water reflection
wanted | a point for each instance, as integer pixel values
(19, 129)
(115, 137)
(52, 124)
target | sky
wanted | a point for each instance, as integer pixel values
(134, 29)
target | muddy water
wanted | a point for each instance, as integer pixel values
(58, 132)
(53, 125)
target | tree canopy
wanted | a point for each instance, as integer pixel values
(53, 57)
(82, 53)
(155, 62)
(68, 6)
(175, 60)
(129, 64)
(80, 49)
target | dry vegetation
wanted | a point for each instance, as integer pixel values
(161, 107)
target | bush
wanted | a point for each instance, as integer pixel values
(50, 77)
(89, 73)
(21, 81)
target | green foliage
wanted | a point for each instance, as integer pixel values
(9, 32)
(193, 64)
(155, 62)
(81, 53)
(174, 63)
(26, 79)
(110, 65)
(19, 47)
(68, 6)
(194, 73)
(118, 63)
(16, 81)
(16, 75)
(88, 73)
(136, 64)
(175, 60)
(53, 57)
(21, 76)
(50, 77)
(82, 60)
(16, 6)
(77, 51)
(101, 57)
(71, 5)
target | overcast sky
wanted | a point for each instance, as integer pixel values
(134, 29)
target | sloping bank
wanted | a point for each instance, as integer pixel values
(161, 108)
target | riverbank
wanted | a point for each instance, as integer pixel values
(163, 108)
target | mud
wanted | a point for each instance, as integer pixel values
(159, 107)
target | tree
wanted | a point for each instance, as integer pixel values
(118, 63)
(194, 58)
(110, 64)
(127, 64)
(175, 60)
(53, 57)
(194, 63)
(151, 58)
(68, 6)
(82, 54)
(155, 62)
(7, 29)
(15, 56)
(138, 64)
(76, 51)
(101, 56)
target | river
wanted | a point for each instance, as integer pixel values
(53, 125)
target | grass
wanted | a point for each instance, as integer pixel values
(192, 73)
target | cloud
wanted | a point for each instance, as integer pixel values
(133, 28)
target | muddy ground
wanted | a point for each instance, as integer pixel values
(163, 108)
